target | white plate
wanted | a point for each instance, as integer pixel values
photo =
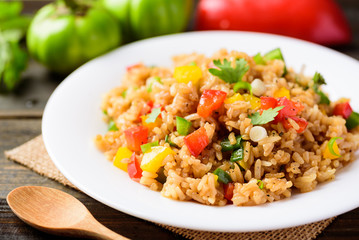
(72, 118)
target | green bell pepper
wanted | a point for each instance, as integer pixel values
(67, 33)
(148, 18)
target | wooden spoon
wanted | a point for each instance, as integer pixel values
(53, 211)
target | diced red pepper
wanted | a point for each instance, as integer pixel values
(268, 102)
(228, 191)
(197, 141)
(210, 101)
(302, 123)
(343, 109)
(135, 137)
(133, 168)
(290, 109)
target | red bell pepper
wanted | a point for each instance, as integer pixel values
(319, 21)
(228, 191)
(133, 168)
(343, 109)
(268, 102)
(135, 137)
(210, 100)
(300, 121)
(290, 109)
(197, 141)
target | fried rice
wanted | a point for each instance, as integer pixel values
(288, 157)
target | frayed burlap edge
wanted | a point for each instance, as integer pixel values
(33, 155)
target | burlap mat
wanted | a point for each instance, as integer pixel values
(34, 156)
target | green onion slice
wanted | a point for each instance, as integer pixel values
(172, 144)
(153, 115)
(242, 85)
(330, 145)
(112, 126)
(147, 147)
(227, 146)
(352, 121)
(260, 184)
(182, 125)
(223, 176)
(237, 155)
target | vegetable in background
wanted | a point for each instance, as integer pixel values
(319, 21)
(67, 33)
(140, 19)
(13, 59)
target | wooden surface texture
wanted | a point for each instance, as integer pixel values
(20, 121)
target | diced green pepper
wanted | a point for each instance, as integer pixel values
(183, 126)
(112, 126)
(237, 155)
(227, 146)
(275, 54)
(223, 176)
(172, 144)
(352, 121)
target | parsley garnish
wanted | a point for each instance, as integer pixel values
(153, 115)
(232, 75)
(266, 117)
(319, 80)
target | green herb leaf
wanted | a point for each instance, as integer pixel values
(227, 73)
(352, 121)
(318, 80)
(153, 115)
(147, 147)
(172, 144)
(182, 125)
(330, 145)
(112, 126)
(266, 117)
(223, 176)
(227, 146)
(260, 184)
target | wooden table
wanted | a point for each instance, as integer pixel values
(20, 121)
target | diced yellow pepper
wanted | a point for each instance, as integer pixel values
(243, 164)
(254, 101)
(122, 152)
(282, 92)
(328, 154)
(236, 97)
(216, 183)
(151, 125)
(152, 161)
(185, 74)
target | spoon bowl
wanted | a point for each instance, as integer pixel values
(56, 212)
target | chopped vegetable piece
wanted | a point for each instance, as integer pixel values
(150, 125)
(124, 93)
(135, 137)
(223, 176)
(275, 54)
(318, 80)
(260, 184)
(210, 100)
(228, 191)
(258, 59)
(105, 112)
(266, 117)
(291, 108)
(122, 152)
(183, 126)
(302, 124)
(153, 160)
(153, 115)
(147, 147)
(151, 81)
(112, 126)
(257, 133)
(258, 87)
(227, 73)
(253, 100)
(268, 102)
(197, 141)
(235, 98)
(186, 74)
(352, 121)
(242, 165)
(282, 92)
(343, 109)
(133, 168)
(227, 146)
(242, 85)
(172, 144)
(237, 155)
(161, 175)
(332, 150)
